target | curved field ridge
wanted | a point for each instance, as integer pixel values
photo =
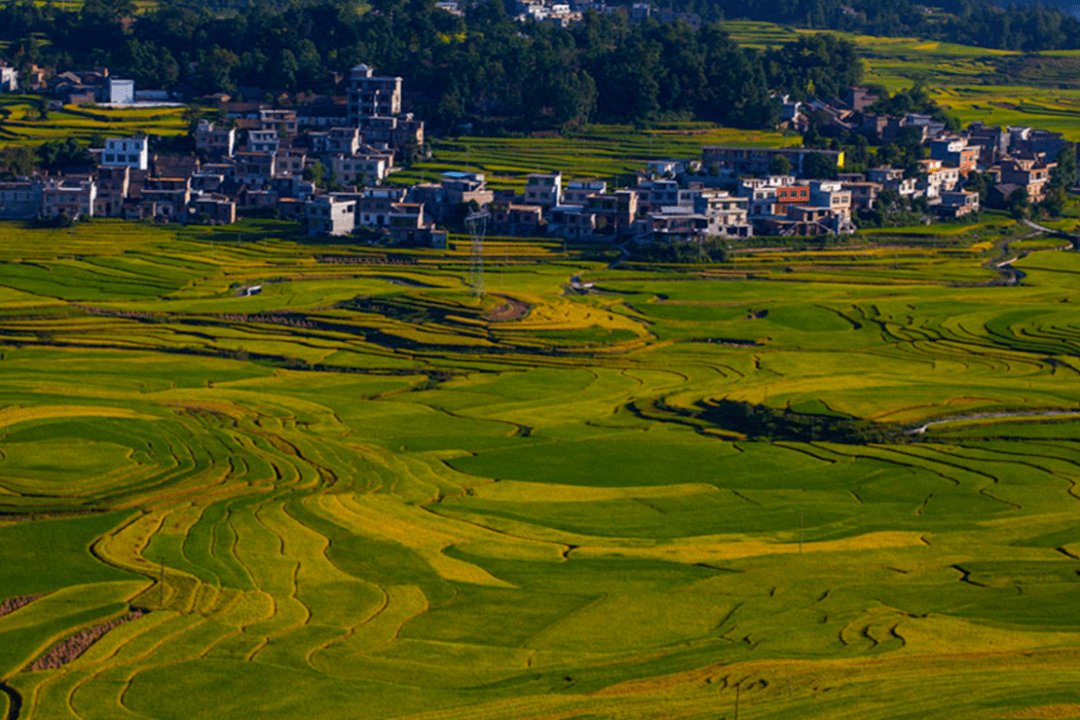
(367, 493)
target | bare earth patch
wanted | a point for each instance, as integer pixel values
(509, 311)
(12, 604)
(72, 647)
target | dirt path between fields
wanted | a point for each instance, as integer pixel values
(991, 415)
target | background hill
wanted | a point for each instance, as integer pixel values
(1070, 7)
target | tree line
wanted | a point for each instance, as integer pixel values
(486, 68)
(1019, 26)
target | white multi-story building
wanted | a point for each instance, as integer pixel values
(375, 205)
(831, 195)
(73, 197)
(666, 168)
(728, 216)
(127, 152)
(263, 141)
(578, 191)
(289, 163)
(359, 169)
(9, 79)
(762, 203)
(345, 141)
(656, 194)
(893, 179)
(959, 203)
(119, 91)
(544, 189)
(283, 122)
(214, 141)
(328, 215)
(371, 95)
(936, 179)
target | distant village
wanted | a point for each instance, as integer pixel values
(567, 12)
(261, 160)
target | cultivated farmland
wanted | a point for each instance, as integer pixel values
(25, 120)
(999, 87)
(366, 493)
(609, 152)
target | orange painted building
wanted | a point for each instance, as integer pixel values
(793, 194)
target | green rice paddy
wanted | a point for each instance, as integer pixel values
(367, 493)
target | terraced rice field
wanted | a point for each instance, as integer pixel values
(996, 86)
(22, 124)
(1057, 110)
(609, 152)
(366, 493)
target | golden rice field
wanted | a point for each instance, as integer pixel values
(366, 492)
(610, 152)
(21, 122)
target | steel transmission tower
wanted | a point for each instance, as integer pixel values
(477, 224)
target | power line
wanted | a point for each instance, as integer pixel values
(477, 224)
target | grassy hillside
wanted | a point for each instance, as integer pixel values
(366, 492)
(996, 86)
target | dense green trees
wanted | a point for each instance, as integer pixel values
(486, 69)
(711, 250)
(779, 165)
(1063, 179)
(761, 422)
(57, 155)
(815, 66)
(914, 100)
(16, 161)
(819, 166)
(904, 153)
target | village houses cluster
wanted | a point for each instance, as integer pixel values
(78, 87)
(252, 162)
(259, 159)
(733, 192)
(567, 12)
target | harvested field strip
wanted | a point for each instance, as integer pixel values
(71, 648)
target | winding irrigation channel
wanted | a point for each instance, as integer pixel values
(1074, 239)
(992, 415)
(14, 701)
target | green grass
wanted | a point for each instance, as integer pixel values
(356, 493)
